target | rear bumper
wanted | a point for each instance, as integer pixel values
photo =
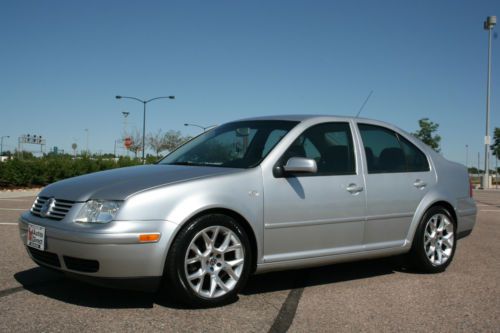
(105, 257)
(466, 216)
(464, 234)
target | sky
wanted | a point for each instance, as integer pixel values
(63, 62)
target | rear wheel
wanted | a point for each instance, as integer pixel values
(435, 241)
(209, 261)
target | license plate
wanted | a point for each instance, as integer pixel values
(36, 237)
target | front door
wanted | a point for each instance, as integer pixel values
(318, 214)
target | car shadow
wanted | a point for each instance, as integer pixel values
(293, 279)
(55, 285)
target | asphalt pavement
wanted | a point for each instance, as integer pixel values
(371, 296)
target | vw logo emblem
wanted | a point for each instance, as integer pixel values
(47, 207)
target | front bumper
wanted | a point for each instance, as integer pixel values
(114, 248)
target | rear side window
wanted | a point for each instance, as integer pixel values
(388, 152)
(415, 159)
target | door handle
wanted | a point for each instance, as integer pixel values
(353, 188)
(419, 184)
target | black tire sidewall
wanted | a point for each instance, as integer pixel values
(418, 250)
(175, 260)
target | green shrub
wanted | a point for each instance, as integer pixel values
(27, 172)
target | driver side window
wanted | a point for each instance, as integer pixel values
(329, 144)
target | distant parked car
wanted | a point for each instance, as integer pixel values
(255, 195)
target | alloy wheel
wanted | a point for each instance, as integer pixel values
(214, 262)
(439, 238)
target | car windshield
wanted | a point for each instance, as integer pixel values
(242, 144)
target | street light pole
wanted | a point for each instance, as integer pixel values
(488, 25)
(144, 102)
(125, 128)
(204, 128)
(125, 115)
(1, 143)
(116, 142)
(144, 134)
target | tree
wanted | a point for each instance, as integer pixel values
(172, 140)
(426, 133)
(157, 142)
(169, 141)
(495, 147)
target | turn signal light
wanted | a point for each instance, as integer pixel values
(149, 238)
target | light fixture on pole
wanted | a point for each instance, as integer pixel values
(144, 102)
(490, 22)
(204, 128)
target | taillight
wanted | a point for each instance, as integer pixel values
(470, 187)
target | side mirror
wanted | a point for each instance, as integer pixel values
(300, 165)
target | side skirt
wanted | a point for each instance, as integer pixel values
(331, 259)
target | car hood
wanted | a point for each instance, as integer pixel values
(118, 184)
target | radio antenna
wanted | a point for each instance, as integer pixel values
(364, 103)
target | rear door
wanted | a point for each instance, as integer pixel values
(398, 176)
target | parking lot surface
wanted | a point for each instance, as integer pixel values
(375, 295)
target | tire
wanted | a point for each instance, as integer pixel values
(435, 241)
(206, 271)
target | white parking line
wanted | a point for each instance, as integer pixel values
(18, 199)
(7, 223)
(13, 208)
(489, 210)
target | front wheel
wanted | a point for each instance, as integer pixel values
(209, 261)
(435, 241)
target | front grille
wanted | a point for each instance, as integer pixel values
(45, 257)
(51, 208)
(81, 265)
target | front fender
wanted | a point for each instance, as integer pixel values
(240, 192)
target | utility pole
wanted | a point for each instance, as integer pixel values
(488, 25)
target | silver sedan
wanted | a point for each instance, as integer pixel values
(255, 195)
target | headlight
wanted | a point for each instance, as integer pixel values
(98, 211)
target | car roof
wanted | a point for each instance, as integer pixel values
(292, 117)
(307, 117)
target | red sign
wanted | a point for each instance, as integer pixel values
(127, 142)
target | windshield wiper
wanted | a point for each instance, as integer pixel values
(186, 163)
